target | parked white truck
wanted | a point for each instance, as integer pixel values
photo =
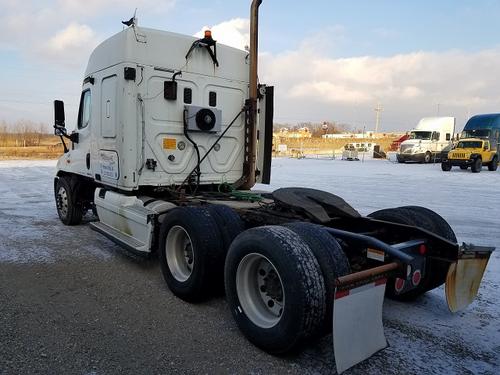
(427, 140)
(172, 132)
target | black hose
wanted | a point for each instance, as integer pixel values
(197, 168)
(176, 74)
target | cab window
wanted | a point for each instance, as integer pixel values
(84, 112)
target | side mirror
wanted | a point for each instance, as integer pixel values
(59, 118)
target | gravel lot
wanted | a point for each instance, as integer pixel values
(72, 302)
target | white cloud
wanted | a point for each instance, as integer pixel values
(409, 86)
(71, 45)
(73, 36)
(30, 26)
(234, 33)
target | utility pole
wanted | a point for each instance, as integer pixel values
(377, 110)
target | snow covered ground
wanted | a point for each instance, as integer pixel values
(423, 335)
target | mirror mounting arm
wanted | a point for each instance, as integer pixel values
(61, 132)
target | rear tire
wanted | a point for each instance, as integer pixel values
(331, 258)
(435, 223)
(191, 253)
(493, 165)
(274, 288)
(69, 206)
(228, 221)
(424, 218)
(477, 165)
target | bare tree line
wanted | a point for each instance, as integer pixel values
(317, 129)
(23, 133)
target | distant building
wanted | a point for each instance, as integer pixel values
(368, 134)
(300, 133)
(365, 135)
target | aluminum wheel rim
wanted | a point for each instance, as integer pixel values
(62, 201)
(179, 253)
(260, 290)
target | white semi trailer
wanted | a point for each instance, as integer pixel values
(172, 133)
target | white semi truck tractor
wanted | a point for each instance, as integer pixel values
(430, 137)
(172, 133)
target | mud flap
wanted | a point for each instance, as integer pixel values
(358, 332)
(464, 277)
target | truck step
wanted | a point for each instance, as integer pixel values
(120, 238)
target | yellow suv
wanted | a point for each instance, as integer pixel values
(473, 152)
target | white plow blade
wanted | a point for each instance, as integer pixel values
(358, 332)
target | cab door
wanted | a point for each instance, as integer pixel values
(81, 149)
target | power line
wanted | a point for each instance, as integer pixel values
(377, 110)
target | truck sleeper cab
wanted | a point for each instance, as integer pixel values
(486, 126)
(177, 132)
(427, 140)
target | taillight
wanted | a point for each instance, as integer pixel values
(399, 284)
(422, 249)
(416, 278)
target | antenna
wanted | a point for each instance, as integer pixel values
(377, 110)
(133, 21)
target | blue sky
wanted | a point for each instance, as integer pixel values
(329, 60)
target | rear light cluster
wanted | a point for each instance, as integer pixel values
(416, 278)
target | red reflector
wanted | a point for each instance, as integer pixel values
(341, 293)
(417, 276)
(399, 284)
(422, 249)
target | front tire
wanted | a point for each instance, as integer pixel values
(274, 288)
(69, 206)
(446, 167)
(477, 165)
(427, 157)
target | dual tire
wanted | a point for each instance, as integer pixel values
(279, 280)
(192, 248)
(435, 274)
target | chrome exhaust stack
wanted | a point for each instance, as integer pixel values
(251, 121)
